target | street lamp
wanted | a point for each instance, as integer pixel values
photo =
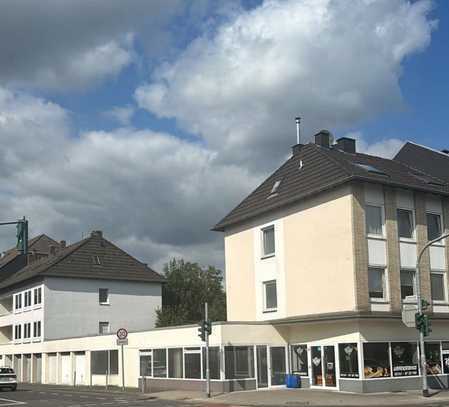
(425, 387)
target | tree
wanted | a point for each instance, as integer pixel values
(187, 288)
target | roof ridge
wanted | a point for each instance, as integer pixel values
(428, 148)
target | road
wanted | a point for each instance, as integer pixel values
(67, 398)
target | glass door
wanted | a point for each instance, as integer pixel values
(278, 365)
(262, 366)
(317, 373)
(330, 377)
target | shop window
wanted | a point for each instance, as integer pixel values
(434, 227)
(192, 362)
(404, 357)
(145, 362)
(278, 368)
(270, 295)
(374, 222)
(239, 362)
(214, 362)
(376, 360)
(433, 358)
(160, 362)
(268, 241)
(408, 284)
(445, 354)
(349, 360)
(376, 283)
(437, 286)
(405, 223)
(175, 363)
(104, 362)
(300, 364)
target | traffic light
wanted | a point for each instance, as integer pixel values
(208, 327)
(22, 235)
(423, 324)
(202, 331)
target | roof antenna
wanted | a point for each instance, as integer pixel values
(298, 129)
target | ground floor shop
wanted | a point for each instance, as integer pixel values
(358, 355)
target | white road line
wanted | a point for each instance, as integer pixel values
(9, 402)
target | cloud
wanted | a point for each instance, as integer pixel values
(387, 147)
(335, 63)
(156, 194)
(121, 114)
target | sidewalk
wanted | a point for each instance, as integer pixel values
(305, 397)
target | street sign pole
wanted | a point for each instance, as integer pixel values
(123, 369)
(122, 340)
(206, 318)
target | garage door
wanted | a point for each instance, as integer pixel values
(65, 368)
(26, 374)
(80, 368)
(37, 370)
(18, 367)
(52, 368)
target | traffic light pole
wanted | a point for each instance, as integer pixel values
(22, 230)
(206, 317)
(422, 351)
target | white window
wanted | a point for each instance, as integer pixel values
(37, 329)
(103, 328)
(17, 332)
(374, 220)
(37, 296)
(27, 298)
(377, 283)
(18, 301)
(27, 330)
(268, 245)
(406, 225)
(270, 296)
(437, 283)
(434, 226)
(103, 296)
(408, 284)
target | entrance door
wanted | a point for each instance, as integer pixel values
(323, 366)
(65, 368)
(80, 368)
(278, 367)
(37, 369)
(52, 368)
(262, 366)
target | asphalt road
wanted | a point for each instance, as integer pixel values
(67, 398)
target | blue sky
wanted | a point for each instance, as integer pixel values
(152, 120)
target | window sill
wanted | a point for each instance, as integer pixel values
(104, 303)
(376, 237)
(407, 240)
(379, 301)
(268, 256)
(268, 311)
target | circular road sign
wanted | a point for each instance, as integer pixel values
(122, 333)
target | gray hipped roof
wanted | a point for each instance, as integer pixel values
(315, 168)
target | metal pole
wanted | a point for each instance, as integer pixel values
(123, 369)
(422, 351)
(207, 354)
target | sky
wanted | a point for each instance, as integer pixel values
(150, 120)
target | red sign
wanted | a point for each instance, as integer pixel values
(122, 333)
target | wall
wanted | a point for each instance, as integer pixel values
(319, 255)
(72, 308)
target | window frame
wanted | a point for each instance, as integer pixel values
(37, 294)
(440, 243)
(107, 302)
(18, 308)
(382, 219)
(385, 298)
(17, 329)
(265, 284)
(103, 323)
(414, 285)
(412, 212)
(263, 230)
(37, 324)
(443, 275)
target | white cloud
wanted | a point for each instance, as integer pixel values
(121, 114)
(333, 62)
(157, 194)
(387, 147)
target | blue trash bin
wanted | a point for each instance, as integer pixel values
(292, 381)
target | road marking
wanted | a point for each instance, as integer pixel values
(9, 402)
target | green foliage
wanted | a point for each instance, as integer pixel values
(188, 287)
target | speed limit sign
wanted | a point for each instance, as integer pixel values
(122, 334)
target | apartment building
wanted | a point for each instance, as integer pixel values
(89, 288)
(325, 250)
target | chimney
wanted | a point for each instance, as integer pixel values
(323, 138)
(346, 144)
(97, 233)
(62, 244)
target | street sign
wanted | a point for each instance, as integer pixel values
(121, 342)
(122, 333)
(408, 315)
